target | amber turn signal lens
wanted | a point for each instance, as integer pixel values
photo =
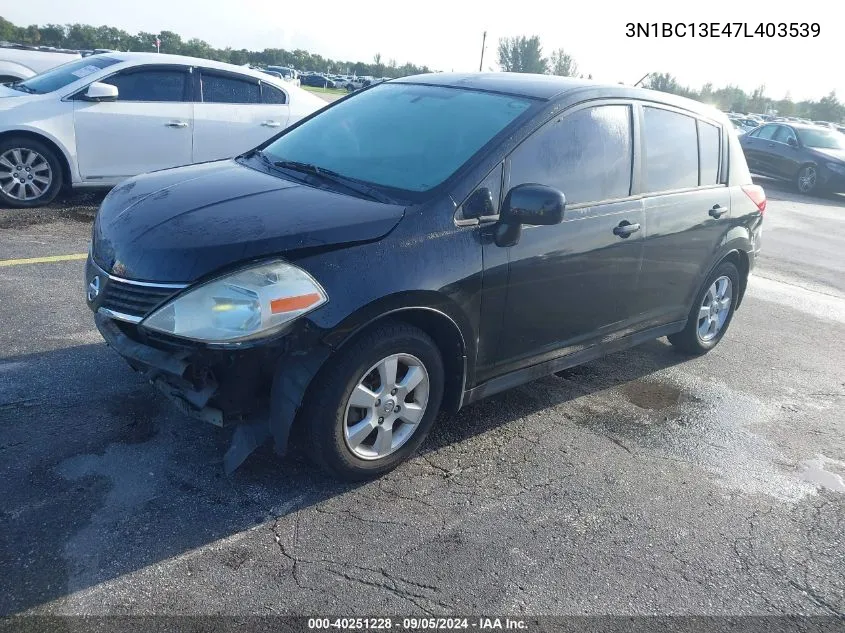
(291, 304)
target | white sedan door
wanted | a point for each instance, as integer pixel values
(236, 113)
(148, 127)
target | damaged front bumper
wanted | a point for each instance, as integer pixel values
(257, 391)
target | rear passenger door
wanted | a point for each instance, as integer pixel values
(687, 208)
(234, 114)
(571, 284)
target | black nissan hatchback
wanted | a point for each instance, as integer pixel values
(420, 245)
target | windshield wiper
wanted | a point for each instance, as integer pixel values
(353, 184)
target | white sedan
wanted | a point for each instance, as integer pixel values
(103, 118)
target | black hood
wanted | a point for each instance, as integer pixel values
(180, 224)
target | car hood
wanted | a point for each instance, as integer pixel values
(835, 154)
(179, 225)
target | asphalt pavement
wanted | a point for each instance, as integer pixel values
(641, 483)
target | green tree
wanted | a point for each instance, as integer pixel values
(563, 64)
(522, 55)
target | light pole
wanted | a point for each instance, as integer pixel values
(483, 41)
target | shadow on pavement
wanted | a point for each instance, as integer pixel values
(101, 477)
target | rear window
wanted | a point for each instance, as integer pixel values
(671, 156)
(710, 152)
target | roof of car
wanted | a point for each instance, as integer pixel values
(163, 58)
(552, 86)
(526, 84)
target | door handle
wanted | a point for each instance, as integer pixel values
(718, 211)
(176, 124)
(271, 124)
(625, 228)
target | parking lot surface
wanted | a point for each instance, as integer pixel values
(642, 483)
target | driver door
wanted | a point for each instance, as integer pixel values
(148, 127)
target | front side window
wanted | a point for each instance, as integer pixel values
(224, 89)
(710, 152)
(65, 74)
(766, 132)
(784, 134)
(587, 155)
(671, 150)
(401, 136)
(155, 84)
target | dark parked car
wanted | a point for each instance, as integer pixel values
(318, 81)
(423, 244)
(811, 156)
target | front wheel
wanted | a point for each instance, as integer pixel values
(711, 313)
(808, 179)
(374, 402)
(30, 173)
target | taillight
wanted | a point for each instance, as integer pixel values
(757, 195)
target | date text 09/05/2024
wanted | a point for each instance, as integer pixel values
(722, 29)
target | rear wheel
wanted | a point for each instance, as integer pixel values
(30, 173)
(808, 179)
(711, 313)
(374, 402)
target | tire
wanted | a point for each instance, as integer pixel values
(37, 162)
(807, 180)
(692, 339)
(350, 88)
(331, 437)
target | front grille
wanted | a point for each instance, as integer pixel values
(132, 299)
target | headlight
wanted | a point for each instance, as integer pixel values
(836, 168)
(246, 304)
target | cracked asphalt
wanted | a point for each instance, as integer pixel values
(641, 483)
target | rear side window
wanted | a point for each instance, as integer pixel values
(709, 151)
(587, 155)
(150, 85)
(223, 89)
(671, 156)
(271, 94)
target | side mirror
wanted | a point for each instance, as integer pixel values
(98, 91)
(479, 204)
(792, 141)
(528, 204)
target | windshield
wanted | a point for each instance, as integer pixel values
(402, 136)
(61, 76)
(822, 139)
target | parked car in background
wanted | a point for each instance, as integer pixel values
(327, 280)
(745, 123)
(811, 156)
(288, 74)
(318, 81)
(98, 120)
(354, 83)
(18, 61)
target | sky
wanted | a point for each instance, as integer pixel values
(447, 34)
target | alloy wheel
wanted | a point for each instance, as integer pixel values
(807, 179)
(386, 406)
(24, 174)
(714, 309)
